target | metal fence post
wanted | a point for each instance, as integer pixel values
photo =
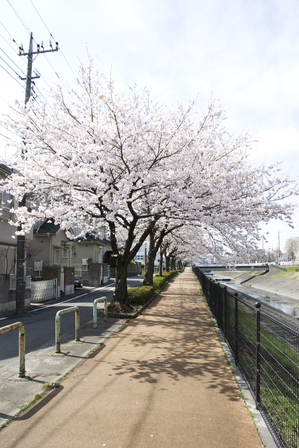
(20, 326)
(236, 329)
(21, 351)
(57, 325)
(225, 311)
(258, 356)
(95, 324)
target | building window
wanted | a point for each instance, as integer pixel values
(57, 256)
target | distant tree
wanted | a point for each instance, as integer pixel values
(292, 247)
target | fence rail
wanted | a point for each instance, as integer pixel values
(43, 290)
(18, 326)
(57, 325)
(267, 351)
(95, 312)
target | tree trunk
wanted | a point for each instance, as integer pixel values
(121, 288)
(161, 263)
(150, 267)
(172, 264)
(150, 262)
(167, 263)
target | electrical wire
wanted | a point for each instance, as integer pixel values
(12, 76)
(67, 87)
(51, 35)
(12, 61)
(2, 135)
(41, 18)
(10, 67)
(5, 127)
(23, 23)
(9, 34)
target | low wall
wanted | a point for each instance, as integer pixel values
(8, 296)
(43, 291)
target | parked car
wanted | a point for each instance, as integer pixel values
(78, 283)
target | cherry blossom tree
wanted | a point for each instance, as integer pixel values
(121, 159)
(291, 247)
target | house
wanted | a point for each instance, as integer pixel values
(51, 247)
(49, 257)
(8, 250)
(91, 259)
(8, 241)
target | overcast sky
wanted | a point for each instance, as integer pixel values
(244, 53)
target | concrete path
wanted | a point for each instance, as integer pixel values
(161, 382)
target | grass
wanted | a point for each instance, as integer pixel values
(289, 274)
(23, 408)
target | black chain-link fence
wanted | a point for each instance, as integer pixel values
(265, 345)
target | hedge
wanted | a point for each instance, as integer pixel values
(139, 295)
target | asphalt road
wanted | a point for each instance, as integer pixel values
(39, 322)
(42, 364)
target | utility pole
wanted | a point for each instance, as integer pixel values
(278, 249)
(20, 287)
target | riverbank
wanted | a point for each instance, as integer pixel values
(269, 287)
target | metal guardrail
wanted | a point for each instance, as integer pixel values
(95, 317)
(20, 326)
(266, 348)
(57, 325)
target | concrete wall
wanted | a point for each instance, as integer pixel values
(51, 272)
(69, 278)
(94, 274)
(8, 297)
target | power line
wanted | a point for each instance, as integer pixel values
(5, 127)
(2, 135)
(10, 67)
(53, 68)
(12, 61)
(64, 83)
(23, 23)
(7, 42)
(9, 34)
(12, 76)
(41, 19)
(76, 78)
(51, 35)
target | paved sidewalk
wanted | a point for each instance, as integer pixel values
(161, 382)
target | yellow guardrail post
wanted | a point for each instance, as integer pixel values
(57, 325)
(95, 317)
(20, 326)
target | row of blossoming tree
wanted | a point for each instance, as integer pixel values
(146, 171)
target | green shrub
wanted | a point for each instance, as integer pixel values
(159, 282)
(169, 275)
(139, 295)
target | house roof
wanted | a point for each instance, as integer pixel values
(48, 227)
(5, 170)
(89, 237)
